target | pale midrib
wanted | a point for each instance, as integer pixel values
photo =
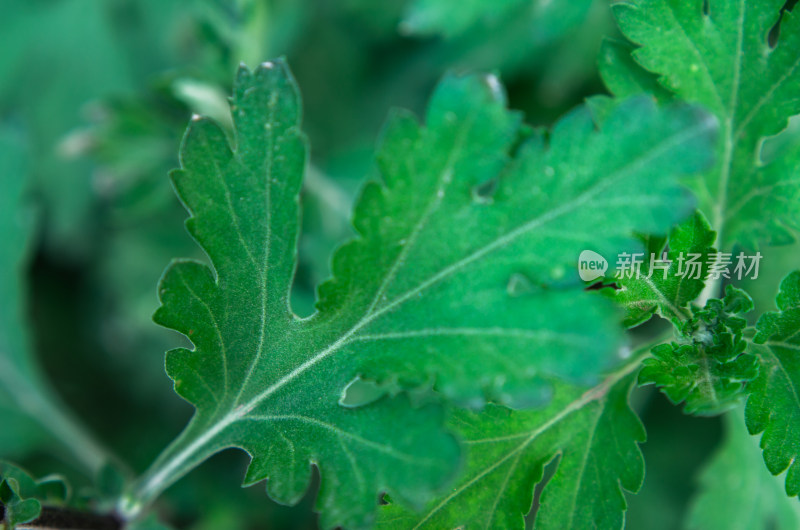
(712, 288)
(498, 243)
(520, 333)
(663, 299)
(706, 381)
(443, 181)
(789, 381)
(227, 192)
(386, 449)
(164, 474)
(262, 339)
(727, 161)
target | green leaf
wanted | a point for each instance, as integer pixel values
(708, 367)
(622, 76)
(774, 406)
(545, 18)
(593, 434)
(468, 204)
(736, 492)
(437, 16)
(21, 496)
(723, 60)
(669, 287)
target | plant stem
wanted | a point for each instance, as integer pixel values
(31, 396)
(712, 289)
(191, 448)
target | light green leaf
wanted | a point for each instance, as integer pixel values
(593, 434)
(736, 492)
(426, 283)
(674, 281)
(432, 17)
(774, 404)
(723, 60)
(708, 367)
(622, 76)
(438, 16)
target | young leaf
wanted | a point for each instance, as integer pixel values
(709, 367)
(422, 295)
(593, 433)
(736, 492)
(674, 281)
(773, 407)
(21, 496)
(722, 59)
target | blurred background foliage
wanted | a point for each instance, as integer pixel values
(94, 98)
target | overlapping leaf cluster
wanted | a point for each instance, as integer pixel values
(739, 60)
(466, 205)
(708, 367)
(593, 433)
(461, 281)
(667, 286)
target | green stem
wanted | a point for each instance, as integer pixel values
(31, 397)
(190, 449)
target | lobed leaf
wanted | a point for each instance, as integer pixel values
(708, 367)
(774, 406)
(21, 496)
(594, 436)
(717, 53)
(460, 271)
(668, 287)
